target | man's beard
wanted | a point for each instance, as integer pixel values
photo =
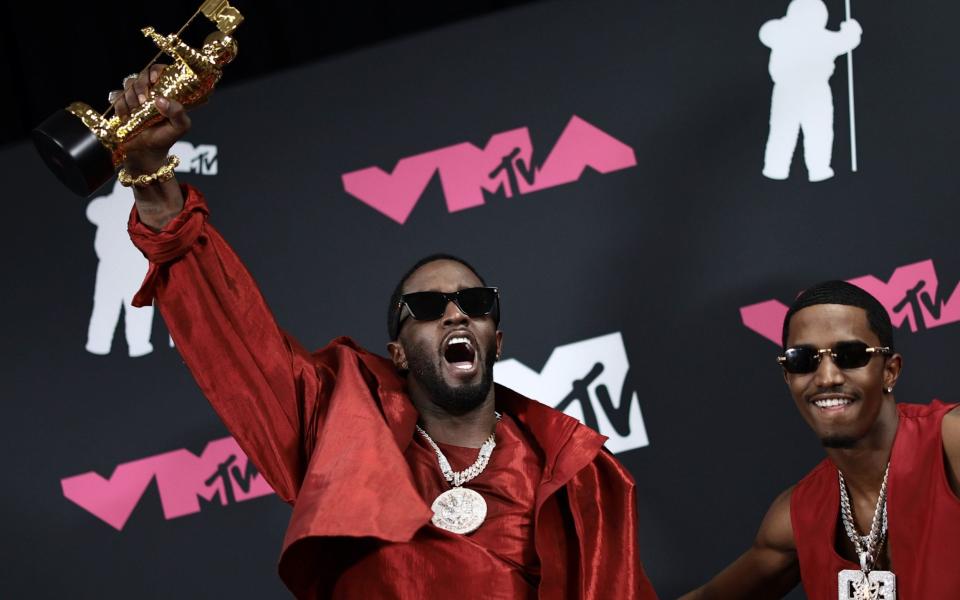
(843, 442)
(456, 400)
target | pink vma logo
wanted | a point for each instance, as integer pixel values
(911, 296)
(222, 473)
(505, 163)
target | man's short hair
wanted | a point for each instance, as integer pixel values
(841, 292)
(393, 314)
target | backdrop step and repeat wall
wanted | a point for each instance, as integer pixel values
(622, 170)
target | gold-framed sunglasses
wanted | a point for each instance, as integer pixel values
(846, 355)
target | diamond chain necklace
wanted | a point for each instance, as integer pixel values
(458, 478)
(867, 546)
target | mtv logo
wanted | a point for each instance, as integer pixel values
(201, 159)
(221, 474)
(584, 380)
(912, 296)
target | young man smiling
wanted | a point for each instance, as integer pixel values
(879, 518)
(413, 477)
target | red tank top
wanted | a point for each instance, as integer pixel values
(923, 514)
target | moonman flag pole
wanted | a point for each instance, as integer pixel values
(853, 120)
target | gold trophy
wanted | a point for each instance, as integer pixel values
(84, 147)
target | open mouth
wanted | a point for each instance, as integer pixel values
(459, 352)
(832, 403)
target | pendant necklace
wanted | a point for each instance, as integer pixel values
(865, 583)
(459, 509)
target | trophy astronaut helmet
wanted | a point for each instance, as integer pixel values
(222, 47)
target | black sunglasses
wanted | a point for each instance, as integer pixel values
(430, 306)
(846, 355)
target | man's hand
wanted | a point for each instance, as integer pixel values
(146, 152)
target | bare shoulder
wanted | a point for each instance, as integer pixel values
(951, 439)
(952, 418)
(951, 429)
(776, 529)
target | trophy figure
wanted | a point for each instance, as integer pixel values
(83, 147)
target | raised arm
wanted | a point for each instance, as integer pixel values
(848, 37)
(174, 47)
(158, 203)
(769, 569)
(261, 383)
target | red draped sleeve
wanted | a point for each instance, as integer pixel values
(274, 397)
(260, 381)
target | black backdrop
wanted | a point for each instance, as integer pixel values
(665, 252)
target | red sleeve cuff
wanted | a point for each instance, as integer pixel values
(170, 243)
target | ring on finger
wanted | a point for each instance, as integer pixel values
(129, 77)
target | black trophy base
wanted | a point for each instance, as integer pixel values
(73, 153)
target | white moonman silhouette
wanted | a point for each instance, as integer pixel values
(119, 274)
(802, 56)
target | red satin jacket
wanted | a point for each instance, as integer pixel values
(328, 430)
(922, 511)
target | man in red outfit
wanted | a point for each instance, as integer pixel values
(879, 517)
(379, 457)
